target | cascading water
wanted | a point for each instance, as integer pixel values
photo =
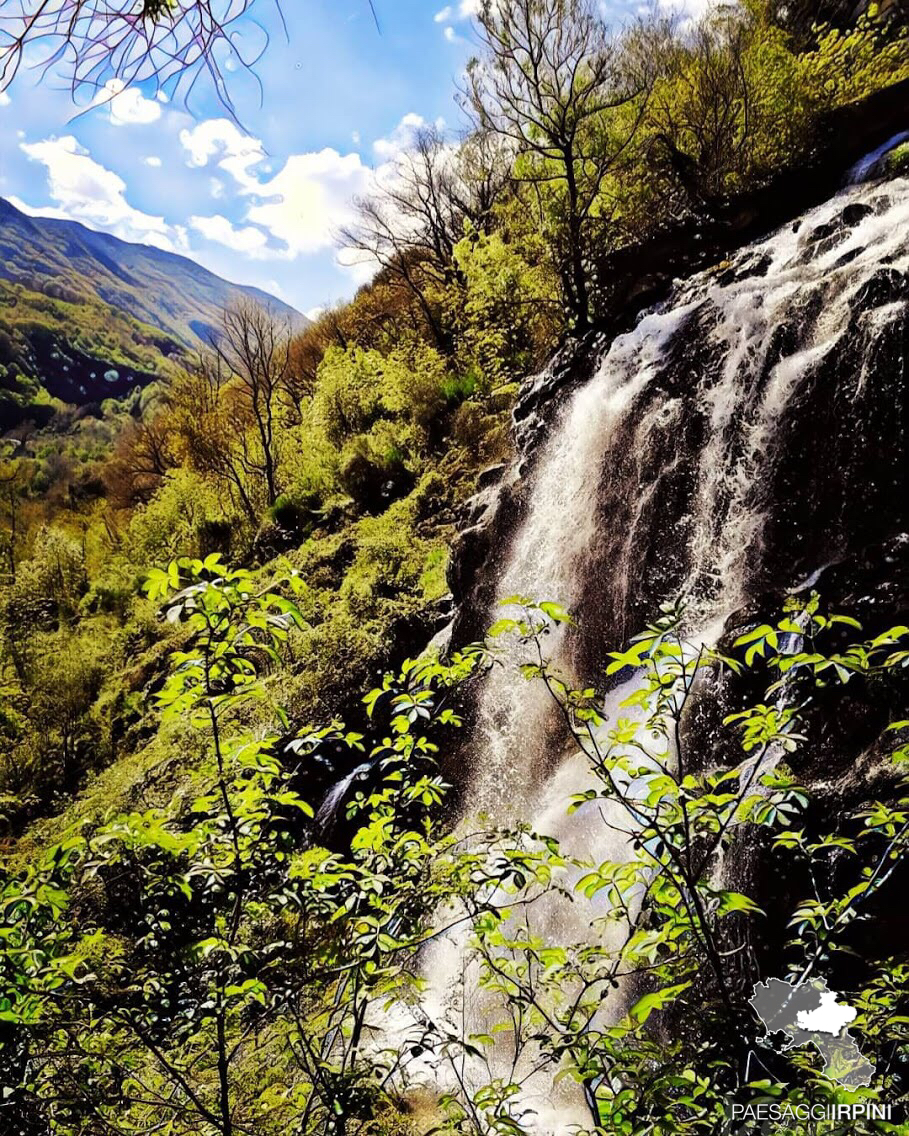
(745, 434)
(680, 466)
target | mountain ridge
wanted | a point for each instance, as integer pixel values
(66, 259)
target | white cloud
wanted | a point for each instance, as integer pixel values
(314, 313)
(127, 107)
(275, 289)
(309, 199)
(152, 161)
(454, 14)
(222, 139)
(400, 138)
(38, 211)
(83, 190)
(358, 266)
(247, 239)
(301, 206)
(464, 10)
(298, 210)
(4, 99)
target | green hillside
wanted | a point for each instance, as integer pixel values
(67, 261)
(85, 316)
(77, 351)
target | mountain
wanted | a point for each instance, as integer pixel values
(86, 316)
(65, 260)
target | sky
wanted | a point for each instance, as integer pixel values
(259, 202)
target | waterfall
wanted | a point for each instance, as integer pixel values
(746, 433)
(681, 467)
(672, 469)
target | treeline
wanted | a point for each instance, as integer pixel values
(344, 452)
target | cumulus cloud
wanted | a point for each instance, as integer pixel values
(403, 135)
(221, 139)
(153, 161)
(248, 240)
(84, 190)
(302, 206)
(298, 210)
(456, 14)
(309, 199)
(359, 267)
(4, 99)
(127, 107)
(464, 10)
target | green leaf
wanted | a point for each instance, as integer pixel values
(657, 1000)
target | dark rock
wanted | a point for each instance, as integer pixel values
(855, 212)
(887, 286)
(490, 475)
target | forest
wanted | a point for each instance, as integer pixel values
(235, 807)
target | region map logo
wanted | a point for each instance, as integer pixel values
(811, 1013)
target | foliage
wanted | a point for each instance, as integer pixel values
(669, 921)
(273, 978)
(243, 944)
(898, 159)
(277, 444)
(509, 316)
(213, 966)
(849, 64)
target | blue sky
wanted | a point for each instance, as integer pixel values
(258, 203)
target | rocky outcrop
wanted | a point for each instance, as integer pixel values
(844, 763)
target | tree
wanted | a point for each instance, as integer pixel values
(143, 454)
(412, 223)
(254, 349)
(65, 684)
(553, 86)
(229, 410)
(110, 46)
(13, 483)
(227, 939)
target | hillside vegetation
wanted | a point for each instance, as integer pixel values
(172, 766)
(85, 317)
(67, 261)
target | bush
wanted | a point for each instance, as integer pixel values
(174, 518)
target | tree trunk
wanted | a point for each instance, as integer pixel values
(580, 297)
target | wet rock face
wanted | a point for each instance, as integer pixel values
(844, 762)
